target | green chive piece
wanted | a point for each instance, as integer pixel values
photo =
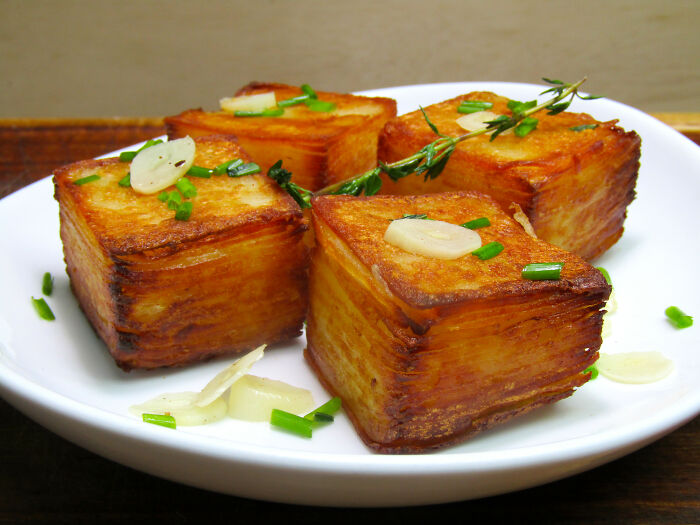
(43, 309)
(128, 156)
(293, 101)
(678, 318)
(291, 422)
(488, 251)
(542, 271)
(526, 126)
(330, 407)
(518, 107)
(85, 180)
(186, 187)
(412, 216)
(221, 168)
(183, 211)
(199, 171)
(47, 284)
(309, 91)
(583, 127)
(239, 170)
(481, 222)
(163, 196)
(125, 182)
(605, 274)
(319, 105)
(593, 370)
(473, 106)
(159, 419)
(322, 417)
(172, 198)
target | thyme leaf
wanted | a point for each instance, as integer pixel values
(430, 160)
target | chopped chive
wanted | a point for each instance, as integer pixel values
(183, 211)
(239, 170)
(593, 370)
(319, 105)
(47, 284)
(43, 309)
(85, 180)
(473, 106)
(481, 222)
(172, 198)
(330, 407)
(605, 274)
(159, 419)
(186, 187)
(199, 171)
(678, 318)
(526, 126)
(309, 91)
(291, 422)
(488, 251)
(221, 168)
(293, 101)
(322, 417)
(518, 107)
(583, 127)
(125, 182)
(128, 156)
(542, 271)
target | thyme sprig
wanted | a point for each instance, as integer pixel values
(431, 159)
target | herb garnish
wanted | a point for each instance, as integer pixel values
(430, 160)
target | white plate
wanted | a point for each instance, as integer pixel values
(60, 374)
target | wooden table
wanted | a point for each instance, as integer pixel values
(45, 479)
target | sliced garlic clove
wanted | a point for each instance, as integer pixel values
(477, 120)
(252, 398)
(228, 377)
(634, 367)
(437, 239)
(258, 102)
(154, 169)
(181, 406)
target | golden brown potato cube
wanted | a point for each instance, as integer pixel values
(319, 148)
(163, 292)
(426, 352)
(574, 186)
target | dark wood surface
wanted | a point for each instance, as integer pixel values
(45, 479)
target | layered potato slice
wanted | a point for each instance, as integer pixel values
(319, 148)
(426, 352)
(574, 186)
(164, 292)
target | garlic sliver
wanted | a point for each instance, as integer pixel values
(634, 367)
(258, 102)
(181, 406)
(477, 120)
(228, 377)
(157, 167)
(252, 398)
(437, 239)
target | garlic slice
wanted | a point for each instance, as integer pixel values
(258, 102)
(252, 398)
(154, 169)
(437, 239)
(477, 120)
(181, 406)
(228, 377)
(634, 367)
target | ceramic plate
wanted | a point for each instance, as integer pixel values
(61, 375)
